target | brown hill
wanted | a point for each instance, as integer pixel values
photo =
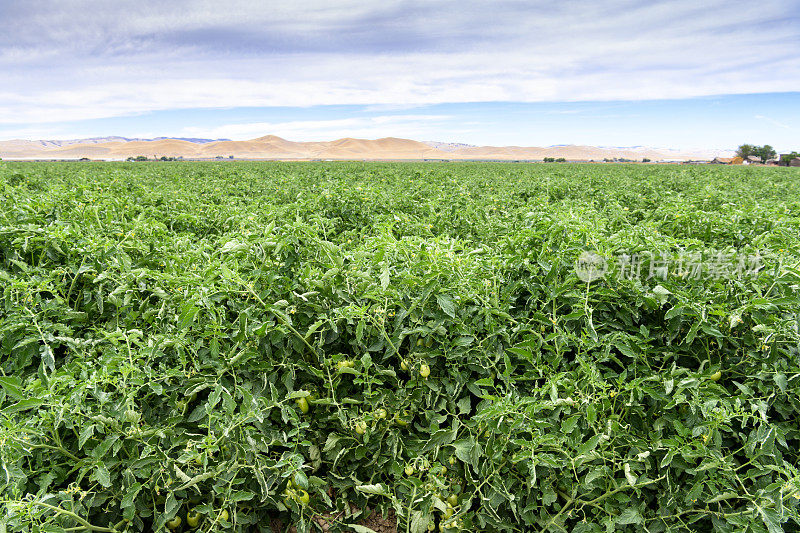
(273, 147)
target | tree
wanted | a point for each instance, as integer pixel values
(762, 152)
(746, 150)
(786, 158)
(766, 152)
(549, 159)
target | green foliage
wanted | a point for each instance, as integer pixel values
(762, 152)
(787, 158)
(746, 150)
(164, 329)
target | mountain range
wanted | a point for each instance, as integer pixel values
(271, 147)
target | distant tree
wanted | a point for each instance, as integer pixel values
(746, 150)
(141, 158)
(561, 160)
(130, 159)
(549, 159)
(785, 158)
(645, 160)
(766, 152)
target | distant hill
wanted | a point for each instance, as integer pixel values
(277, 148)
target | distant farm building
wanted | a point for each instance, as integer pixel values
(752, 160)
(728, 160)
(795, 162)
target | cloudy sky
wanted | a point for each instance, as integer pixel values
(678, 73)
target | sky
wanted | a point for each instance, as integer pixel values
(677, 74)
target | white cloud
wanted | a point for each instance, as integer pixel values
(59, 65)
(416, 126)
(773, 122)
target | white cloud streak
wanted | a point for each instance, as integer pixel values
(321, 130)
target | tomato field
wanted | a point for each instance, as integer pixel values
(265, 346)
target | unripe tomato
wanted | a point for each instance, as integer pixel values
(192, 519)
(380, 413)
(452, 500)
(175, 523)
(361, 427)
(420, 342)
(302, 404)
(132, 416)
(302, 497)
(424, 370)
(409, 470)
(715, 376)
(223, 515)
(404, 365)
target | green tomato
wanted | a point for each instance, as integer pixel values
(175, 523)
(132, 416)
(381, 413)
(424, 371)
(192, 519)
(715, 376)
(452, 500)
(420, 342)
(361, 427)
(302, 497)
(409, 470)
(452, 460)
(223, 515)
(302, 404)
(404, 365)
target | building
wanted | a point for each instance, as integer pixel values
(722, 160)
(795, 162)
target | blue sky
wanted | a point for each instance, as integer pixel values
(509, 72)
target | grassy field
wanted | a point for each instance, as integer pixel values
(232, 347)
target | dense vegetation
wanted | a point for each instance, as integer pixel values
(241, 345)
